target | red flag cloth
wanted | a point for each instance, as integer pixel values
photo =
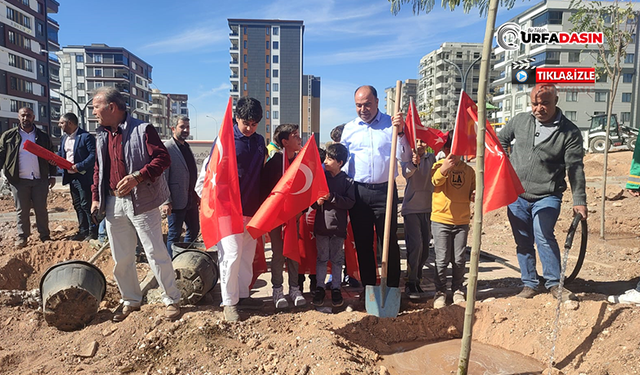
(301, 185)
(42, 152)
(220, 207)
(259, 262)
(307, 244)
(434, 138)
(350, 254)
(464, 136)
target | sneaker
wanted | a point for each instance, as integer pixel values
(458, 297)
(250, 304)
(80, 236)
(565, 293)
(123, 311)
(631, 296)
(296, 296)
(411, 290)
(172, 312)
(278, 299)
(318, 298)
(440, 300)
(336, 297)
(45, 239)
(20, 243)
(527, 293)
(231, 313)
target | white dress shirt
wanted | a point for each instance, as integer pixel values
(69, 146)
(28, 166)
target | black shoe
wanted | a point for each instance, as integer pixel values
(336, 297)
(411, 290)
(318, 298)
(45, 239)
(527, 292)
(80, 236)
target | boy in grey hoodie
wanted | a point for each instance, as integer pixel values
(416, 211)
(331, 223)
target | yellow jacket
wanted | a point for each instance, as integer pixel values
(452, 194)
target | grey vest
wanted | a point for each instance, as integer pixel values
(148, 194)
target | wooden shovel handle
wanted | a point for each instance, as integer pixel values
(389, 206)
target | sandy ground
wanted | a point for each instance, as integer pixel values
(594, 337)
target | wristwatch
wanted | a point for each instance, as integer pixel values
(137, 175)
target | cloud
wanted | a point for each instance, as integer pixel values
(189, 40)
(223, 87)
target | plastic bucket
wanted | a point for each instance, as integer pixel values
(196, 272)
(71, 294)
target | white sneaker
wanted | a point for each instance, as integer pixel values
(458, 297)
(278, 299)
(631, 296)
(440, 300)
(296, 296)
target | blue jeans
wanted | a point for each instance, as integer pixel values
(450, 244)
(102, 231)
(535, 221)
(191, 218)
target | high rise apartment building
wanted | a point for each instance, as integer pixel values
(577, 105)
(266, 64)
(28, 66)
(166, 109)
(409, 90)
(310, 108)
(86, 68)
(440, 82)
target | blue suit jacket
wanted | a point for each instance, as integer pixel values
(84, 156)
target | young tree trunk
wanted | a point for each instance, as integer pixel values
(485, 66)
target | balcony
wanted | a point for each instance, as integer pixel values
(234, 76)
(233, 62)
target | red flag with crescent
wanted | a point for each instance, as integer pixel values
(298, 188)
(220, 207)
(434, 138)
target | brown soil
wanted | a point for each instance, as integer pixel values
(594, 337)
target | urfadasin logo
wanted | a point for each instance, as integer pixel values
(509, 36)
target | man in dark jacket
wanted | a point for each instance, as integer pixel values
(79, 147)
(30, 177)
(547, 148)
(330, 226)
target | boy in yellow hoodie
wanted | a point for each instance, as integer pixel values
(454, 184)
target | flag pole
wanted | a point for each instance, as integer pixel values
(412, 105)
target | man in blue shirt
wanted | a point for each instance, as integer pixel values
(368, 139)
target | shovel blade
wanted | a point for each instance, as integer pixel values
(383, 304)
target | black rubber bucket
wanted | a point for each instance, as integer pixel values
(71, 294)
(196, 271)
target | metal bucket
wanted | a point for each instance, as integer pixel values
(71, 294)
(196, 271)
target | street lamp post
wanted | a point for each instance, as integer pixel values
(80, 109)
(214, 119)
(463, 76)
(194, 108)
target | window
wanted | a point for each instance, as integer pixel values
(275, 45)
(626, 97)
(625, 117)
(596, 113)
(80, 72)
(17, 104)
(519, 103)
(275, 87)
(266, 46)
(20, 62)
(19, 40)
(19, 18)
(628, 59)
(267, 30)
(40, 29)
(81, 99)
(21, 85)
(99, 84)
(275, 100)
(627, 77)
(245, 73)
(245, 86)
(275, 115)
(97, 72)
(245, 44)
(267, 100)
(574, 57)
(571, 115)
(79, 58)
(275, 73)
(267, 113)
(267, 73)
(601, 96)
(548, 18)
(275, 59)
(572, 96)
(80, 86)
(458, 55)
(276, 31)
(267, 59)
(97, 58)
(267, 87)
(245, 58)
(602, 78)
(476, 55)
(507, 105)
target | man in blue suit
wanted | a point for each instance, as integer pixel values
(79, 147)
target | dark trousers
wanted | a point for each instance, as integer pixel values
(368, 212)
(28, 194)
(81, 197)
(188, 216)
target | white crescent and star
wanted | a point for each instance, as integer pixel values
(308, 176)
(220, 154)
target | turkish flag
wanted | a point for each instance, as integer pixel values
(501, 183)
(434, 138)
(220, 207)
(45, 154)
(464, 136)
(307, 243)
(299, 187)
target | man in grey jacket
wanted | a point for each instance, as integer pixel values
(547, 148)
(181, 176)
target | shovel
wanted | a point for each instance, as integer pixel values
(381, 300)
